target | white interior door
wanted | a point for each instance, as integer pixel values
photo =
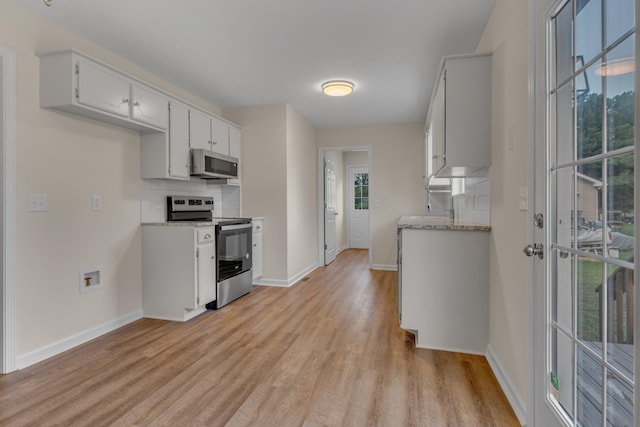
(584, 319)
(329, 212)
(358, 205)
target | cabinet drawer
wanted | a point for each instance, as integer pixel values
(205, 235)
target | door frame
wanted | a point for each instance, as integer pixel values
(347, 206)
(8, 214)
(321, 154)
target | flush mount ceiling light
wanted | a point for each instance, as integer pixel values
(337, 88)
(616, 67)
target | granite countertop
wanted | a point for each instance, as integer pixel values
(439, 223)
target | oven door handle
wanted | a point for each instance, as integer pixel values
(235, 227)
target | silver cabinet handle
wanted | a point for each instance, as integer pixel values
(125, 100)
(207, 236)
(136, 104)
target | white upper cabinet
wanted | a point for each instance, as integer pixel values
(149, 107)
(209, 132)
(199, 129)
(459, 118)
(220, 136)
(75, 83)
(102, 89)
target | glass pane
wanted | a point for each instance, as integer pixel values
(365, 191)
(619, 75)
(357, 179)
(619, 401)
(589, 390)
(564, 42)
(619, 18)
(365, 203)
(620, 191)
(588, 28)
(589, 114)
(365, 179)
(589, 206)
(589, 287)
(620, 310)
(562, 369)
(562, 231)
(358, 191)
(357, 204)
(562, 290)
(564, 124)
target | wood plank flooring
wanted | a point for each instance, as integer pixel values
(326, 352)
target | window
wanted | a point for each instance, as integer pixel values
(361, 191)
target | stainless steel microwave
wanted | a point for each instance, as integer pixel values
(211, 165)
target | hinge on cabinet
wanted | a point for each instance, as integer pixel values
(77, 68)
(77, 94)
(197, 252)
(198, 300)
(325, 247)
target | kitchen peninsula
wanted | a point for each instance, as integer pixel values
(443, 282)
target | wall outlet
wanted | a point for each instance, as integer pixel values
(91, 279)
(96, 203)
(38, 203)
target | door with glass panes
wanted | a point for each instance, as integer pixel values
(584, 189)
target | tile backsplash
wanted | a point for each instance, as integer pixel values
(472, 204)
(154, 192)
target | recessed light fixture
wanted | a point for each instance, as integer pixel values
(337, 88)
(616, 67)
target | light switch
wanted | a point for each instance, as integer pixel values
(96, 203)
(38, 203)
(523, 203)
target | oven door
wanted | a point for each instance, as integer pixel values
(234, 249)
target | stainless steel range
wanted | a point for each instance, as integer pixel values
(233, 246)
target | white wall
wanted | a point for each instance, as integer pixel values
(506, 35)
(70, 158)
(395, 178)
(302, 195)
(264, 179)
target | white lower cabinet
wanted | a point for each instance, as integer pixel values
(178, 271)
(257, 248)
(444, 288)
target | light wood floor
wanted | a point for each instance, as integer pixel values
(326, 352)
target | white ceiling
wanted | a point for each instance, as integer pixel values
(236, 53)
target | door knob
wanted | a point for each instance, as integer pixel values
(535, 249)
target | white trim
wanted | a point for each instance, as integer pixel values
(516, 402)
(450, 349)
(68, 343)
(8, 169)
(286, 283)
(385, 267)
(321, 152)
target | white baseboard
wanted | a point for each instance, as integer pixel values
(514, 399)
(450, 349)
(386, 267)
(286, 283)
(68, 343)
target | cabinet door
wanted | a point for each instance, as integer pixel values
(149, 106)
(438, 126)
(179, 157)
(206, 274)
(102, 89)
(235, 145)
(199, 130)
(219, 136)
